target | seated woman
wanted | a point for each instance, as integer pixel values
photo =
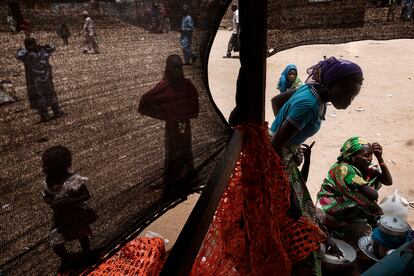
(349, 192)
(289, 80)
(288, 83)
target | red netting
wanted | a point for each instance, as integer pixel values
(251, 233)
(301, 237)
(141, 256)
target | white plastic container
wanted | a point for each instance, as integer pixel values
(394, 205)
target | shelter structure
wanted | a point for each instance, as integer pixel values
(123, 152)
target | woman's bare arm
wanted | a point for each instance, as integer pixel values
(283, 135)
(279, 100)
(369, 192)
(385, 177)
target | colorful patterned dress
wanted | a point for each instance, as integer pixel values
(340, 198)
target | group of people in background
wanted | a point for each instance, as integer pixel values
(348, 195)
(38, 71)
(17, 24)
(157, 19)
(90, 45)
(406, 12)
(39, 79)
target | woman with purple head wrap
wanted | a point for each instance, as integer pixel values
(341, 78)
(299, 115)
(330, 70)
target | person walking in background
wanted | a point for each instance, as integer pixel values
(155, 18)
(64, 33)
(16, 13)
(187, 28)
(39, 79)
(89, 33)
(234, 39)
(12, 23)
(391, 9)
(164, 24)
(407, 10)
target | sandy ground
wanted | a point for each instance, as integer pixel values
(387, 100)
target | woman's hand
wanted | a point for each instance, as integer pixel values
(307, 150)
(385, 177)
(377, 149)
(332, 248)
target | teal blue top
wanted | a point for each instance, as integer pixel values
(305, 110)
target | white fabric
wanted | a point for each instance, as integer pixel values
(88, 28)
(235, 22)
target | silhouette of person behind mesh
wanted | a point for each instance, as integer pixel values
(174, 100)
(39, 78)
(67, 194)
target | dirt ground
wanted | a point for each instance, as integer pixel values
(386, 99)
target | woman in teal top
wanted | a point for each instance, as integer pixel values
(305, 110)
(300, 117)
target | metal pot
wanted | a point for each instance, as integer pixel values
(393, 226)
(343, 263)
(379, 250)
(390, 234)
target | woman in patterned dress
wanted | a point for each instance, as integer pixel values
(349, 192)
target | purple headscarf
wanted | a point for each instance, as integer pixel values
(332, 69)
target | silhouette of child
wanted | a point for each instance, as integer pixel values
(66, 194)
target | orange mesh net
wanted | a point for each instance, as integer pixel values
(251, 233)
(141, 256)
(301, 237)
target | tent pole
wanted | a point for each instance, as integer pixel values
(181, 258)
(253, 46)
(251, 83)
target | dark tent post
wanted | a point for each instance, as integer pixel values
(253, 24)
(251, 83)
(250, 106)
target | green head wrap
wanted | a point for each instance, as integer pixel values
(350, 147)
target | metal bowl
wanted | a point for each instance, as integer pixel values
(345, 262)
(365, 243)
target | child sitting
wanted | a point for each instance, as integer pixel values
(289, 80)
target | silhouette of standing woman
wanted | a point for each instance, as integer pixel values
(174, 100)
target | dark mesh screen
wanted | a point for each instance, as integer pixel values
(300, 22)
(138, 163)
